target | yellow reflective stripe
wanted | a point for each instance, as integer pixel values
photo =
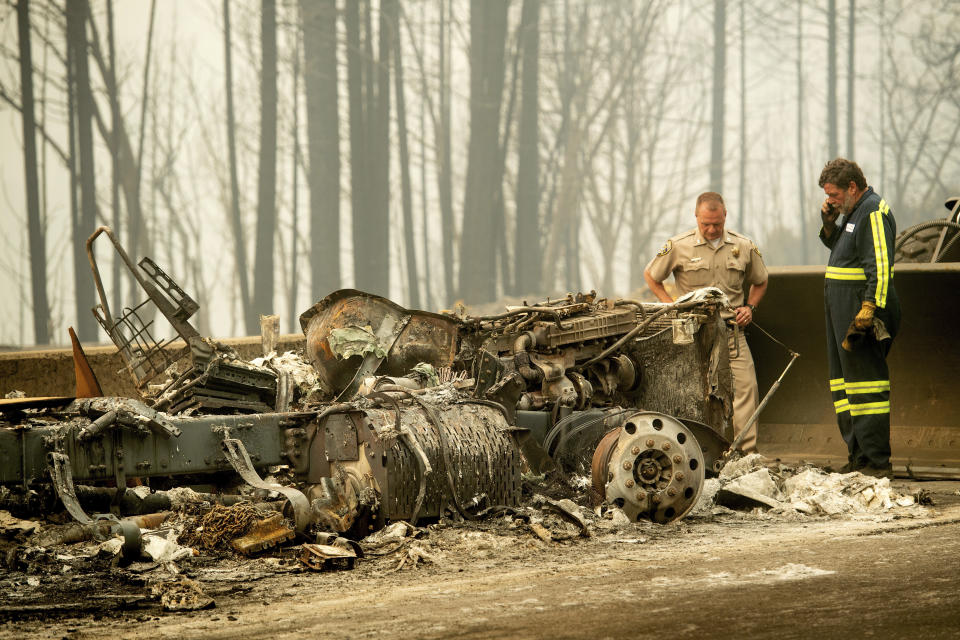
(868, 386)
(845, 269)
(869, 408)
(846, 273)
(841, 405)
(836, 384)
(880, 253)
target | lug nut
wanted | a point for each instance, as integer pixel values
(671, 492)
(666, 446)
(650, 442)
(629, 483)
(679, 475)
(657, 498)
(635, 450)
(628, 465)
(677, 459)
(641, 496)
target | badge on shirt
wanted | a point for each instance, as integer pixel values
(754, 248)
(735, 251)
(849, 227)
(665, 249)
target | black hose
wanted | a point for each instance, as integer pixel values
(948, 246)
(912, 231)
(613, 412)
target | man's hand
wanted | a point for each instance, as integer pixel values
(864, 318)
(744, 316)
(829, 214)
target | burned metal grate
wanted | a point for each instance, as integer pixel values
(145, 356)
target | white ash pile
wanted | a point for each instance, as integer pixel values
(756, 482)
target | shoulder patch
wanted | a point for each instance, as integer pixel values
(753, 247)
(665, 249)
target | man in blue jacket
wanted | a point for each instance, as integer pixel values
(862, 313)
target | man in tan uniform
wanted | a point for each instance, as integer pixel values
(709, 256)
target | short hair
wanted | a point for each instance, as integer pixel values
(841, 172)
(711, 199)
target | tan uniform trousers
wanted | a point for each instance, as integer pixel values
(746, 396)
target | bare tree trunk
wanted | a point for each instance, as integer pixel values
(488, 32)
(115, 157)
(323, 141)
(294, 170)
(77, 11)
(135, 230)
(116, 138)
(358, 128)
(445, 173)
(425, 225)
(852, 25)
(527, 252)
(719, 88)
(832, 142)
(372, 246)
(637, 210)
(267, 184)
(235, 220)
(741, 203)
(72, 146)
(38, 250)
(410, 247)
(499, 218)
(801, 178)
(883, 104)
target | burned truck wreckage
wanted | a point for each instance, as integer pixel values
(405, 415)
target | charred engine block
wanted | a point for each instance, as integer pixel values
(556, 363)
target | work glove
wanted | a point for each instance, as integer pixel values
(855, 337)
(864, 318)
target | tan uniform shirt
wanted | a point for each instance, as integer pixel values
(695, 263)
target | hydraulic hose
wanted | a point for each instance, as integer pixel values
(909, 233)
(946, 249)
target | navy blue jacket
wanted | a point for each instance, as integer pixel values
(861, 249)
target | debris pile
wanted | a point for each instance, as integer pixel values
(299, 372)
(755, 482)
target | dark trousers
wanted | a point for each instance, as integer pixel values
(859, 379)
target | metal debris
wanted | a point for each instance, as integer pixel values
(322, 557)
(263, 534)
(540, 531)
(221, 525)
(12, 527)
(182, 595)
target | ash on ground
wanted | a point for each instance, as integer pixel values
(196, 553)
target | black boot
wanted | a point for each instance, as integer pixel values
(885, 471)
(853, 465)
